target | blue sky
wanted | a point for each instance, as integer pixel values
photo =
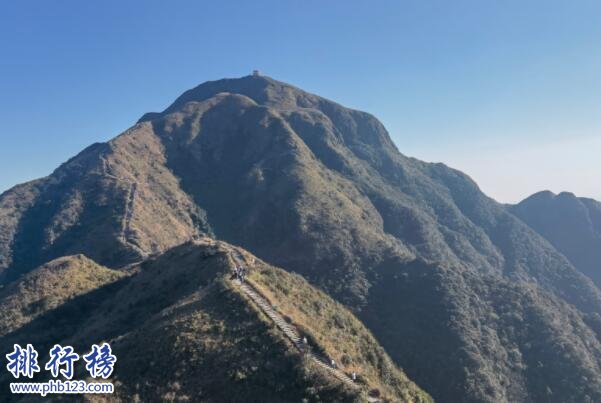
(507, 91)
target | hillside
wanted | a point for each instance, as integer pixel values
(572, 224)
(182, 330)
(50, 286)
(470, 301)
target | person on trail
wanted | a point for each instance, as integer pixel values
(354, 376)
(333, 364)
(239, 274)
(304, 347)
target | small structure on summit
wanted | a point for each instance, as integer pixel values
(256, 73)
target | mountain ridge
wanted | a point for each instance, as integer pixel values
(184, 310)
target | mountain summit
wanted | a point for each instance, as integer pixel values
(467, 299)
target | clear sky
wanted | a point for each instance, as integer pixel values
(507, 91)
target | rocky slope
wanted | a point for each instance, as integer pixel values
(572, 224)
(471, 302)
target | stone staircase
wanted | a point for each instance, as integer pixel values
(293, 334)
(290, 331)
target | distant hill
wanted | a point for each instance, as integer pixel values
(572, 224)
(183, 330)
(464, 296)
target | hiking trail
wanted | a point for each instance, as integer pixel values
(290, 330)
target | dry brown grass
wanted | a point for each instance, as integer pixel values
(49, 286)
(333, 330)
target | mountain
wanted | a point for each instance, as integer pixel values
(571, 224)
(182, 329)
(472, 303)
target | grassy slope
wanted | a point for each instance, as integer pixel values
(212, 347)
(49, 286)
(183, 331)
(334, 330)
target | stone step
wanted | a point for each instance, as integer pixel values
(292, 333)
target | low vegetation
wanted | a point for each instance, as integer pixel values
(333, 330)
(50, 286)
(183, 331)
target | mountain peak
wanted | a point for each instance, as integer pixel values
(262, 89)
(542, 195)
(355, 127)
(568, 195)
(253, 86)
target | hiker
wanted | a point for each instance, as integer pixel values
(305, 341)
(354, 376)
(239, 274)
(333, 364)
